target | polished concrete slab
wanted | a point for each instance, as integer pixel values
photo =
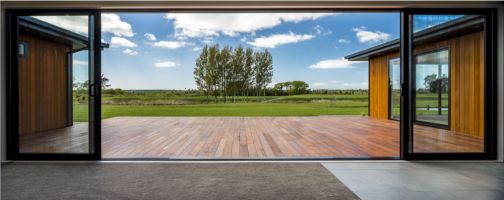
(422, 180)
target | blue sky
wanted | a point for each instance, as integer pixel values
(305, 46)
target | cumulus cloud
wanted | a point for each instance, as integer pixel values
(319, 30)
(279, 39)
(111, 23)
(170, 44)
(77, 24)
(130, 52)
(80, 62)
(165, 64)
(121, 42)
(150, 36)
(344, 41)
(364, 36)
(340, 63)
(232, 24)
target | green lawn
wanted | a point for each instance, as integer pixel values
(341, 107)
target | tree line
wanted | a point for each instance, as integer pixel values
(232, 72)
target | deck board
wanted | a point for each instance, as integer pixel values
(249, 137)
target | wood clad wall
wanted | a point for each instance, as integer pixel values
(466, 82)
(42, 85)
(379, 85)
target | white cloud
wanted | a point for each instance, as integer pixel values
(111, 23)
(319, 30)
(232, 24)
(344, 41)
(170, 44)
(150, 36)
(165, 64)
(279, 39)
(340, 63)
(334, 82)
(130, 52)
(78, 24)
(197, 48)
(119, 41)
(80, 62)
(363, 35)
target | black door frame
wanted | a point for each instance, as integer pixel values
(490, 93)
(405, 51)
(12, 87)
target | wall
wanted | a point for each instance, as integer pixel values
(379, 85)
(466, 82)
(43, 85)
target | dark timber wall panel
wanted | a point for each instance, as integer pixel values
(466, 82)
(42, 85)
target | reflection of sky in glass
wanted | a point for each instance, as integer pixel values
(421, 22)
(428, 64)
(76, 24)
(395, 71)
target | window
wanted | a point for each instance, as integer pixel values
(432, 87)
(394, 89)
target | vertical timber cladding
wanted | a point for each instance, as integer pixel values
(379, 85)
(466, 82)
(42, 85)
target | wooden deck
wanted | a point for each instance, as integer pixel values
(250, 137)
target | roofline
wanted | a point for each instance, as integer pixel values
(53, 30)
(434, 32)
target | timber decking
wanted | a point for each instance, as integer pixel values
(250, 137)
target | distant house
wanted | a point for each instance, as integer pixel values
(452, 51)
(45, 71)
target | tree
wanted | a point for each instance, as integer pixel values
(247, 73)
(224, 68)
(201, 75)
(299, 87)
(235, 75)
(263, 69)
(213, 70)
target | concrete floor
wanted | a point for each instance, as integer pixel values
(422, 180)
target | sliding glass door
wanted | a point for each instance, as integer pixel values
(448, 72)
(52, 74)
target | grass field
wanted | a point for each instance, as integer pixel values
(163, 104)
(299, 105)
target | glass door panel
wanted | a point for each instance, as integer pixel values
(448, 79)
(55, 84)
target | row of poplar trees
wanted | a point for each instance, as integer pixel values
(232, 72)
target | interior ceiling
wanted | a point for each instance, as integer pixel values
(243, 4)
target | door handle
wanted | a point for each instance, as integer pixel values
(92, 90)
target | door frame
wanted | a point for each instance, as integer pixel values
(405, 55)
(12, 86)
(490, 84)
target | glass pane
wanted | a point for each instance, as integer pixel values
(395, 88)
(53, 84)
(448, 74)
(432, 83)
